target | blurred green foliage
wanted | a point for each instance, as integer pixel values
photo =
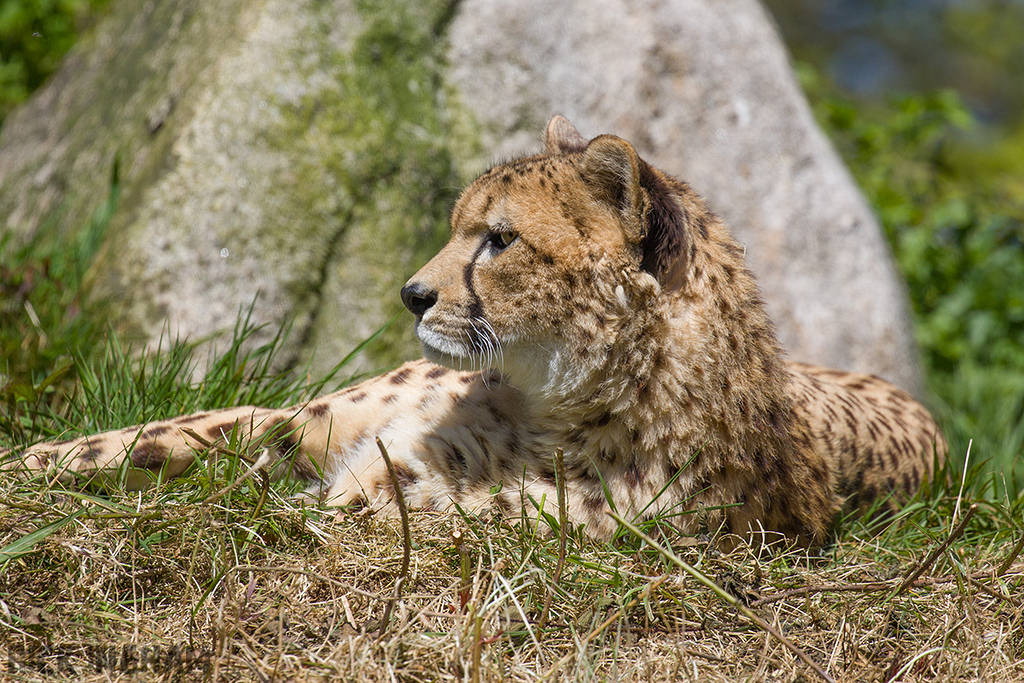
(34, 35)
(954, 214)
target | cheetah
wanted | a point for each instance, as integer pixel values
(591, 304)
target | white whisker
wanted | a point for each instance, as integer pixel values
(487, 350)
(497, 349)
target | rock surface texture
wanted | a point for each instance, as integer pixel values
(307, 152)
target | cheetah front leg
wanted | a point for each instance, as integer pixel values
(134, 457)
(329, 442)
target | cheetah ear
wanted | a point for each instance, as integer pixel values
(648, 202)
(611, 169)
(561, 137)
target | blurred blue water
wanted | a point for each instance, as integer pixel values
(874, 47)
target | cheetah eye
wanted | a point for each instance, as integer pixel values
(500, 241)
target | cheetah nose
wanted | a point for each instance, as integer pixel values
(417, 297)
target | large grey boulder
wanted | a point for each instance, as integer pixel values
(307, 152)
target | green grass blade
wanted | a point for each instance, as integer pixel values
(27, 543)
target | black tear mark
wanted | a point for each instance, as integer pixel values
(476, 306)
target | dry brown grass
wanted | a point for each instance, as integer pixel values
(206, 579)
(164, 586)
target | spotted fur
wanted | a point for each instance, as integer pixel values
(589, 303)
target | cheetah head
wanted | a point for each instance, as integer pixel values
(552, 258)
